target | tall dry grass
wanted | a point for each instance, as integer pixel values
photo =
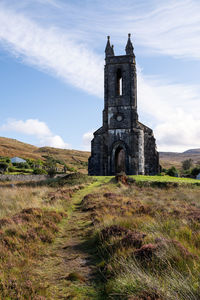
(147, 240)
(29, 223)
(13, 200)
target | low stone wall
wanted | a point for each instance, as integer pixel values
(21, 177)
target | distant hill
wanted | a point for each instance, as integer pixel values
(193, 151)
(78, 159)
(73, 158)
(168, 159)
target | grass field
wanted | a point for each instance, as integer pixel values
(96, 238)
(166, 179)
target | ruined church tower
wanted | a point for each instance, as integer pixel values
(122, 144)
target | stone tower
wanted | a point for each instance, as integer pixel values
(122, 144)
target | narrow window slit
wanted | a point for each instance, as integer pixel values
(119, 82)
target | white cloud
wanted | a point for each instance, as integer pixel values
(87, 137)
(54, 141)
(35, 128)
(51, 50)
(172, 110)
(30, 127)
(172, 28)
(179, 132)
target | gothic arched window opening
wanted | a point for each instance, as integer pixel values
(119, 82)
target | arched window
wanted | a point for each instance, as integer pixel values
(119, 82)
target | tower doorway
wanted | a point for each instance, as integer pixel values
(120, 159)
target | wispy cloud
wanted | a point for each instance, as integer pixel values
(168, 27)
(165, 27)
(52, 51)
(54, 3)
(172, 28)
(37, 129)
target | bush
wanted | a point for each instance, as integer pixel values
(5, 159)
(29, 171)
(71, 179)
(186, 173)
(195, 171)
(59, 161)
(39, 171)
(172, 172)
(34, 163)
(187, 164)
(12, 169)
(163, 170)
(3, 166)
(51, 172)
(71, 169)
(21, 165)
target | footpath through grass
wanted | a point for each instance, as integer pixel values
(94, 238)
(43, 248)
(69, 266)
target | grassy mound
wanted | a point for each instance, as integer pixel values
(22, 242)
(147, 241)
(71, 179)
(30, 221)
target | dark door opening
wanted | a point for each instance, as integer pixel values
(120, 160)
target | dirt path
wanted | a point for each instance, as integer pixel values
(69, 268)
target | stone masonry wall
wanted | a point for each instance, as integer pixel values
(21, 177)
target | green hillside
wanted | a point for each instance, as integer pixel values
(73, 158)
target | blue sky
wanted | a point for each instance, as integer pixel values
(52, 59)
